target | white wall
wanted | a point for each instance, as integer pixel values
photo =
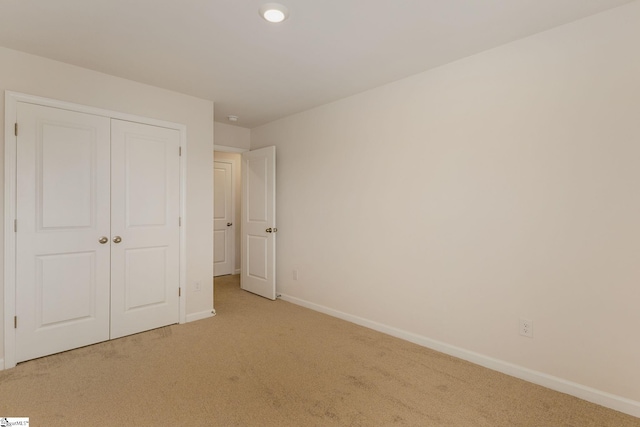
(452, 203)
(34, 75)
(232, 136)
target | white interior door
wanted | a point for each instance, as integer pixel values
(259, 222)
(145, 176)
(62, 211)
(223, 236)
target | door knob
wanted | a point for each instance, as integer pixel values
(229, 224)
(269, 230)
(117, 239)
(103, 240)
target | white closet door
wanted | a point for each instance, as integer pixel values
(62, 271)
(145, 176)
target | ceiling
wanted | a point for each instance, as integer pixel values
(224, 51)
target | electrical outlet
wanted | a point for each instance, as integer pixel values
(295, 274)
(196, 287)
(526, 328)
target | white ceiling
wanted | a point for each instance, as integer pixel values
(223, 51)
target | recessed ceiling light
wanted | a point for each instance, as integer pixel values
(233, 118)
(274, 12)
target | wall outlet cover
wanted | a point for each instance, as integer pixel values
(526, 328)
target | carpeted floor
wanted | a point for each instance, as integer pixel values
(271, 363)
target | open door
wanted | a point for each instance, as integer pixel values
(259, 222)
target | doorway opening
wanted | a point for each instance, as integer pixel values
(227, 197)
(256, 228)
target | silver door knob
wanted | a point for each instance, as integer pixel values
(269, 230)
(117, 239)
(103, 240)
(229, 224)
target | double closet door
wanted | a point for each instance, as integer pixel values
(97, 236)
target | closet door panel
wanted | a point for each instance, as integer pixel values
(62, 211)
(145, 201)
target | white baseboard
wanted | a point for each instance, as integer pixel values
(237, 271)
(589, 394)
(200, 315)
(2, 365)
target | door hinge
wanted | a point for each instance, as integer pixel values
(15, 129)
(179, 292)
(15, 322)
(15, 225)
(179, 151)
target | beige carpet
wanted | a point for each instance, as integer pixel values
(264, 363)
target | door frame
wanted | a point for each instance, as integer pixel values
(10, 192)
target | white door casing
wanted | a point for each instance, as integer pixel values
(145, 215)
(223, 217)
(62, 270)
(70, 171)
(259, 222)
